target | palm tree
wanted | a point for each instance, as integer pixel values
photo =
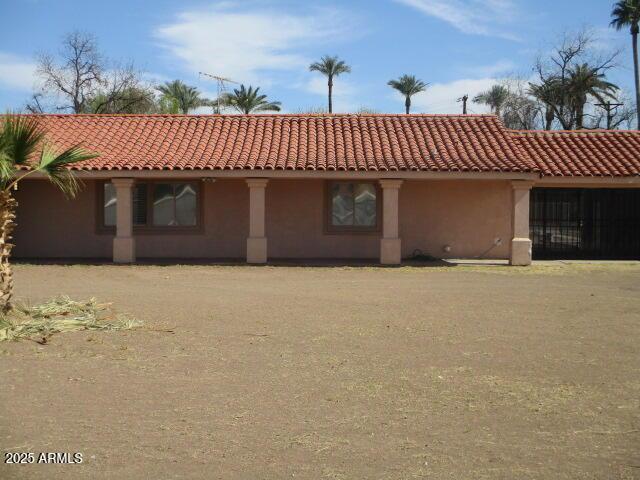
(550, 93)
(626, 13)
(247, 100)
(586, 81)
(178, 97)
(495, 98)
(330, 67)
(408, 85)
(23, 151)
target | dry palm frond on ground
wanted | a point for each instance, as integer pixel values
(61, 314)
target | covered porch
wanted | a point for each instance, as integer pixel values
(342, 217)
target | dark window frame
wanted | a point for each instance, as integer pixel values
(149, 227)
(330, 229)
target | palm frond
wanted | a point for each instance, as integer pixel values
(55, 166)
(246, 100)
(185, 97)
(330, 66)
(626, 13)
(7, 169)
(268, 107)
(408, 85)
(20, 137)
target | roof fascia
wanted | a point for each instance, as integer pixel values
(300, 174)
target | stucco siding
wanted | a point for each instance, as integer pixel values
(466, 215)
(296, 224)
(51, 226)
(225, 227)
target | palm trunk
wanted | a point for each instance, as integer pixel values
(8, 206)
(580, 117)
(407, 105)
(636, 71)
(330, 92)
(549, 117)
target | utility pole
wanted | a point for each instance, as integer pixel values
(464, 100)
(610, 108)
(220, 81)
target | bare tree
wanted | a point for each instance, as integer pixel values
(621, 113)
(520, 110)
(79, 79)
(555, 73)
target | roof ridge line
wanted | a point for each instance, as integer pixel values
(256, 115)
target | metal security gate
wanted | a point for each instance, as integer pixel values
(585, 223)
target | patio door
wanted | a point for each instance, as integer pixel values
(585, 223)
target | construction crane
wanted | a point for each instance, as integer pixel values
(220, 81)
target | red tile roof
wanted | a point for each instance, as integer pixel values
(438, 143)
(444, 143)
(585, 153)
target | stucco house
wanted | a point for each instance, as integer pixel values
(260, 187)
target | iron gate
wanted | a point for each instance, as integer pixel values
(585, 223)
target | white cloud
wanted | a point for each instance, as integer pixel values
(249, 46)
(478, 17)
(442, 97)
(16, 73)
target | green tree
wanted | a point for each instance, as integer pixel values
(586, 81)
(178, 96)
(330, 67)
(408, 85)
(23, 152)
(248, 100)
(626, 13)
(131, 100)
(495, 98)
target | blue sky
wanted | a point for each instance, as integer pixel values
(457, 46)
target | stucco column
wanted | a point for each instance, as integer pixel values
(520, 242)
(257, 241)
(124, 245)
(390, 244)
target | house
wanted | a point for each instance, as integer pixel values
(333, 186)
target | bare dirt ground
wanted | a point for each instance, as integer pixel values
(338, 373)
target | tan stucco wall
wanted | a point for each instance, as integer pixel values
(49, 225)
(465, 214)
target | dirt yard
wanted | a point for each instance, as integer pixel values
(338, 373)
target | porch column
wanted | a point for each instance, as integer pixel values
(520, 242)
(390, 244)
(124, 245)
(257, 241)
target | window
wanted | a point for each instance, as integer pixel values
(156, 205)
(353, 206)
(174, 204)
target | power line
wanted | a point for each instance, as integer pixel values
(610, 108)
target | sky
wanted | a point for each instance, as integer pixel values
(457, 46)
